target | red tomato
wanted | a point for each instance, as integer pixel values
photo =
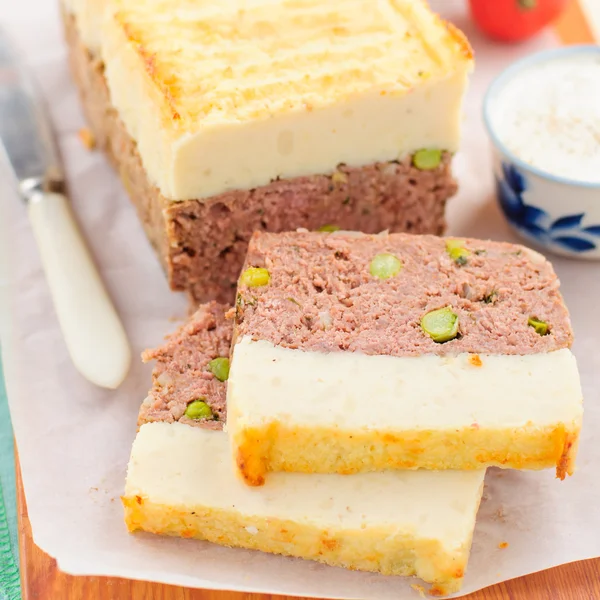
(514, 20)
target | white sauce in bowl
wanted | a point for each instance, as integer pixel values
(548, 115)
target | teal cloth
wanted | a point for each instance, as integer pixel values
(10, 585)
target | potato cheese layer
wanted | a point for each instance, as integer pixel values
(181, 482)
(346, 412)
(201, 86)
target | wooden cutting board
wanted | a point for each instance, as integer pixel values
(41, 579)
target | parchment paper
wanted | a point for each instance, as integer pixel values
(74, 439)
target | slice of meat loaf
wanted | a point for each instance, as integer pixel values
(201, 242)
(359, 352)
(181, 481)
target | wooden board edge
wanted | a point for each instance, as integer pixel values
(572, 26)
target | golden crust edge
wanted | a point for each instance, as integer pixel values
(371, 549)
(166, 94)
(279, 447)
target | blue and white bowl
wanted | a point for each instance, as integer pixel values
(558, 214)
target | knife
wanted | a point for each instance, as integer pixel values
(93, 333)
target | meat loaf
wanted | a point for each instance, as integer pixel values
(201, 243)
(367, 352)
(181, 482)
(184, 370)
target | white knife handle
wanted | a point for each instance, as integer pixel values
(93, 333)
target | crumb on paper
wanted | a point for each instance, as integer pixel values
(503, 545)
(87, 138)
(419, 589)
(93, 489)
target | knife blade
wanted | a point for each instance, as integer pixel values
(93, 333)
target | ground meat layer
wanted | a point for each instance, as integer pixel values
(202, 245)
(321, 295)
(181, 374)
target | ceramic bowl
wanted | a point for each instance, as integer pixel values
(555, 213)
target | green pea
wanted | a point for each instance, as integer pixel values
(457, 252)
(541, 327)
(440, 325)
(385, 266)
(220, 368)
(255, 277)
(427, 159)
(198, 409)
(329, 228)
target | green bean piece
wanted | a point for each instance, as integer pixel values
(220, 368)
(385, 266)
(427, 159)
(198, 409)
(457, 252)
(540, 327)
(255, 277)
(440, 325)
(328, 228)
